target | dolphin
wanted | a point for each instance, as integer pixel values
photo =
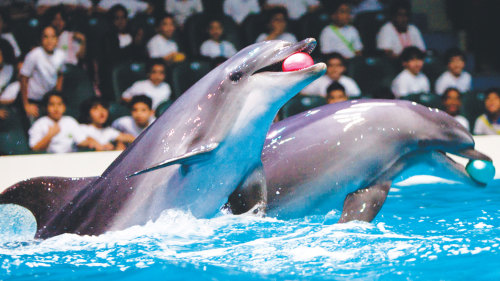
(192, 157)
(344, 156)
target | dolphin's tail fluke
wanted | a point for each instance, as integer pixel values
(45, 197)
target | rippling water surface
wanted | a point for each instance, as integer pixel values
(423, 232)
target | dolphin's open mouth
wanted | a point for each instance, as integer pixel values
(480, 175)
(275, 62)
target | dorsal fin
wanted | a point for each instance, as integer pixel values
(45, 197)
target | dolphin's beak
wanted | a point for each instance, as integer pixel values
(473, 154)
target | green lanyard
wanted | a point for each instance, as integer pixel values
(344, 40)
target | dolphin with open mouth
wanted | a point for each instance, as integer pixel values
(192, 157)
(345, 156)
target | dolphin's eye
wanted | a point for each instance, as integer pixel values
(235, 76)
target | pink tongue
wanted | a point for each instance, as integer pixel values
(297, 61)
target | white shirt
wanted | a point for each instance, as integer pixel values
(406, 83)
(158, 94)
(389, 39)
(10, 93)
(295, 8)
(42, 69)
(240, 9)
(127, 125)
(159, 46)
(213, 49)
(101, 135)
(482, 126)
(83, 3)
(6, 74)
(447, 80)
(182, 9)
(65, 141)
(330, 42)
(367, 6)
(132, 6)
(12, 40)
(285, 37)
(69, 45)
(462, 120)
(319, 86)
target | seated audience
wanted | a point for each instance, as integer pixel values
(142, 115)
(398, 33)
(340, 36)
(215, 46)
(95, 118)
(183, 9)
(411, 80)
(335, 93)
(295, 8)
(451, 104)
(240, 9)
(455, 76)
(41, 71)
(71, 42)
(57, 133)
(8, 36)
(42, 6)
(336, 66)
(276, 26)
(162, 45)
(489, 122)
(154, 87)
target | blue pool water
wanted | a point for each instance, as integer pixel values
(423, 232)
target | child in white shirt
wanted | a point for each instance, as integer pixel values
(278, 18)
(295, 8)
(142, 115)
(336, 66)
(240, 9)
(411, 80)
(340, 36)
(489, 122)
(215, 46)
(72, 43)
(41, 71)
(56, 133)
(154, 87)
(162, 44)
(95, 119)
(455, 76)
(451, 104)
(398, 34)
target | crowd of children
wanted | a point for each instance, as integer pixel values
(32, 78)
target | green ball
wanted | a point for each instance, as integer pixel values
(481, 171)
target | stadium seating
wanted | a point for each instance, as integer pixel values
(434, 66)
(301, 103)
(374, 75)
(368, 25)
(185, 74)
(13, 139)
(125, 74)
(77, 88)
(472, 106)
(162, 107)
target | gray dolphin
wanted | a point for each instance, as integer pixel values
(344, 156)
(192, 157)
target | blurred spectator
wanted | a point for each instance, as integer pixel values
(455, 76)
(398, 34)
(4, 25)
(335, 93)
(154, 87)
(451, 104)
(215, 46)
(132, 6)
(182, 9)
(240, 9)
(43, 5)
(340, 36)
(56, 133)
(365, 6)
(142, 116)
(41, 71)
(336, 66)
(276, 25)
(95, 119)
(296, 8)
(162, 44)
(7, 72)
(411, 80)
(71, 42)
(489, 122)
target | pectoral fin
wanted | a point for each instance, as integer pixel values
(195, 156)
(364, 204)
